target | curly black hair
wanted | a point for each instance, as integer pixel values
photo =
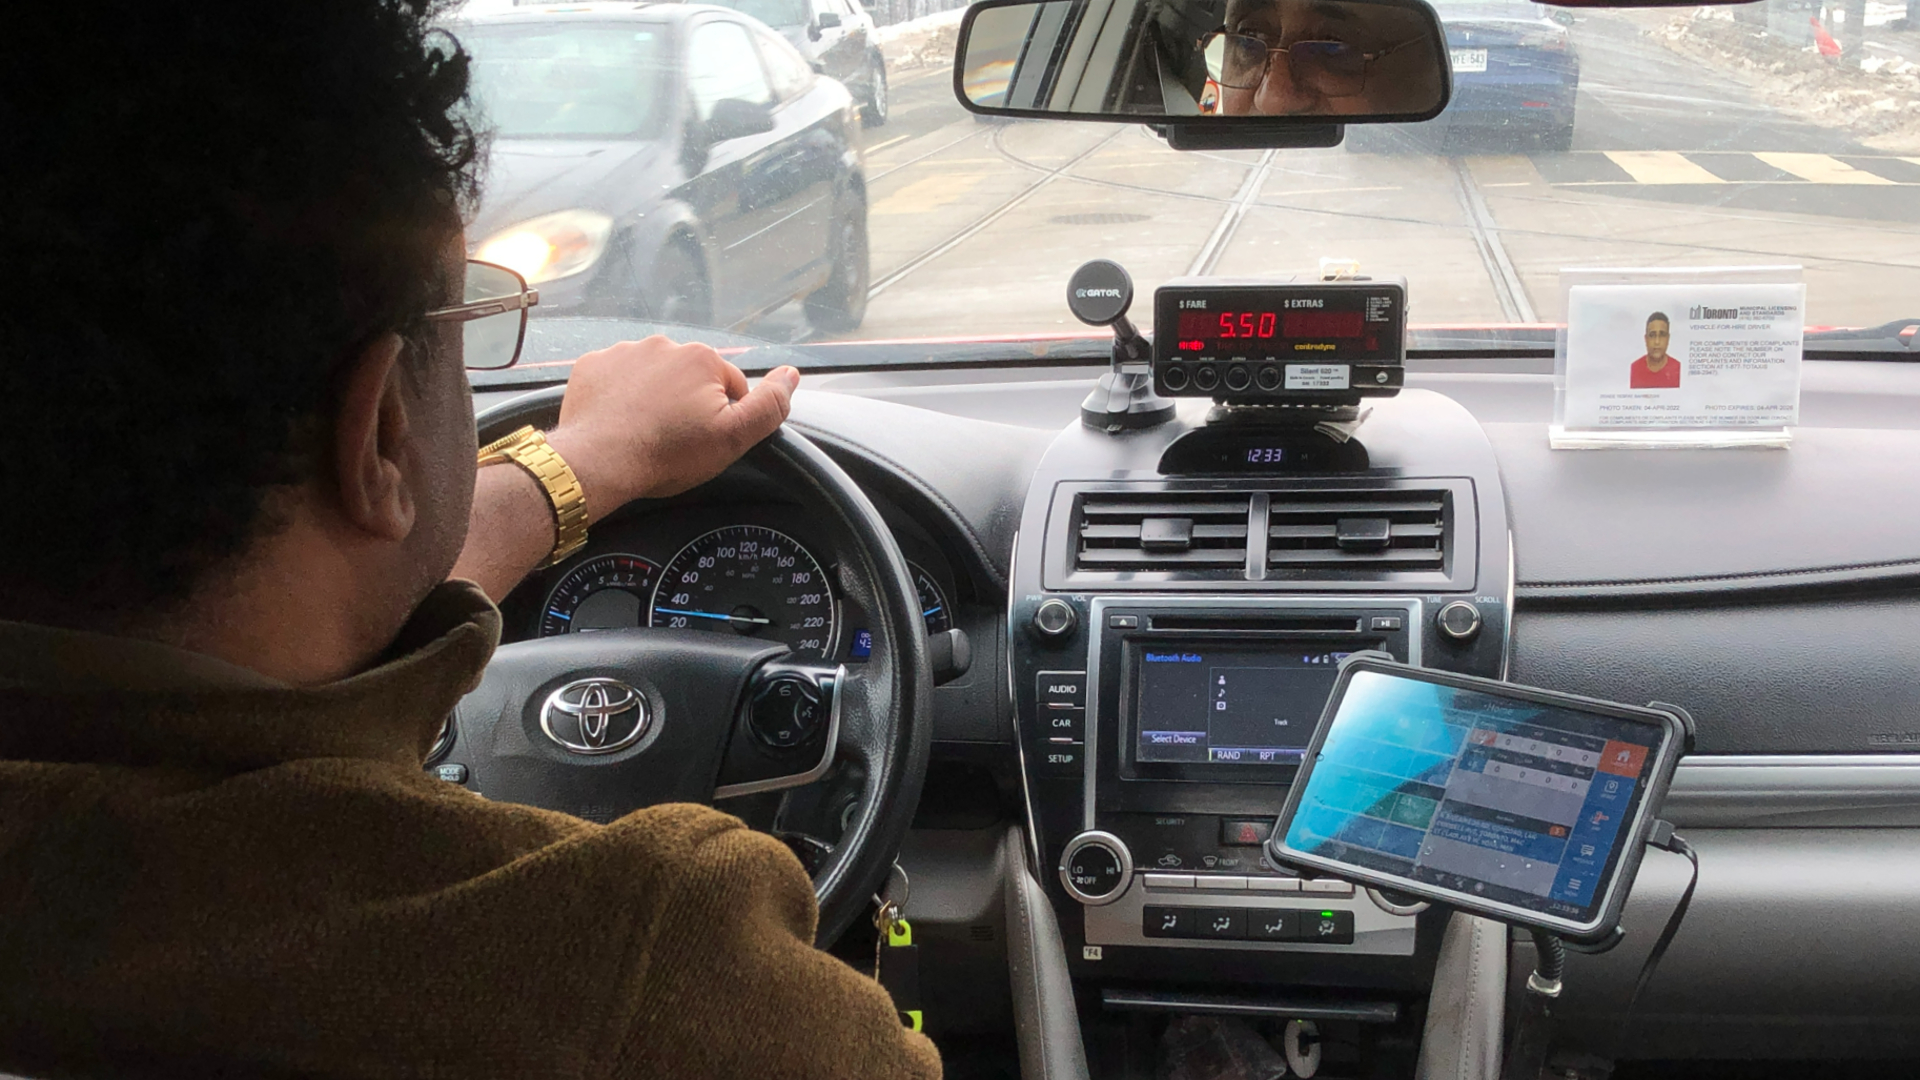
(205, 209)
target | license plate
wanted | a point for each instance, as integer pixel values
(1469, 60)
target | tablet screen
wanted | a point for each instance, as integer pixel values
(1502, 799)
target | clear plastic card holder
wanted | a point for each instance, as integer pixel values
(1718, 360)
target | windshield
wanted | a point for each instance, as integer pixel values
(1778, 133)
(538, 81)
(772, 12)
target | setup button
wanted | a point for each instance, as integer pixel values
(1061, 759)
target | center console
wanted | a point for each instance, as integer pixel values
(1176, 622)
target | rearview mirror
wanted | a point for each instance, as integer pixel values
(1201, 63)
(829, 20)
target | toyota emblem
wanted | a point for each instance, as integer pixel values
(595, 716)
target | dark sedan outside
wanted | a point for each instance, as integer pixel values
(676, 163)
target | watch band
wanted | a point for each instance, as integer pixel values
(528, 449)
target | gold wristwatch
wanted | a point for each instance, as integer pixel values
(528, 449)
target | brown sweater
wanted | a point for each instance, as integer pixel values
(203, 873)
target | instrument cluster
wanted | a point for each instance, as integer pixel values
(750, 571)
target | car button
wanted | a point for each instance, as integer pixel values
(1273, 884)
(1068, 724)
(1327, 887)
(1169, 881)
(1234, 882)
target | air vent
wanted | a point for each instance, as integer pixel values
(1318, 531)
(1199, 530)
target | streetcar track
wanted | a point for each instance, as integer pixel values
(981, 223)
(879, 176)
(1209, 254)
(1507, 286)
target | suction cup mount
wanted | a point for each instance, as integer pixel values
(1099, 294)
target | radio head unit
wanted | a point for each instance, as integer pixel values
(1280, 341)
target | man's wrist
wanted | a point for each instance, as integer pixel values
(560, 486)
(607, 488)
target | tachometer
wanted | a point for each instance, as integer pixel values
(607, 592)
(751, 581)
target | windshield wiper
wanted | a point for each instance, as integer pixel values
(1888, 341)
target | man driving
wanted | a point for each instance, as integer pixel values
(1321, 58)
(244, 470)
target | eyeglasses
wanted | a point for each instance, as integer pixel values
(1331, 68)
(493, 315)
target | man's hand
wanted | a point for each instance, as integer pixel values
(641, 419)
(654, 418)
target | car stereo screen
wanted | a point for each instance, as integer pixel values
(1230, 704)
(1514, 801)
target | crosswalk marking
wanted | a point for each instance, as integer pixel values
(1820, 169)
(1661, 167)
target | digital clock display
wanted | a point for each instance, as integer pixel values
(1266, 455)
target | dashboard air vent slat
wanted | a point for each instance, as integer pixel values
(1329, 530)
(1161, 531)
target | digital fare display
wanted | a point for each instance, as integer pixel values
(1518, 802)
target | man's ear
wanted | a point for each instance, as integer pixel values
(371, 442)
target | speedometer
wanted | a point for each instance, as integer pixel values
(752, 581)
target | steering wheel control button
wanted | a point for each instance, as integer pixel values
(1054, 618)
(452, 772)
(595, 716)
(1459, 620)
(787, 711)
(1095, 868)
(1174, 922)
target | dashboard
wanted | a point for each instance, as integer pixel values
(1775, 595)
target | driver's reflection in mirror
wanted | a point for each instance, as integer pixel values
(1319, 58)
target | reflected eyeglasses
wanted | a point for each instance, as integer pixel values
(1331, 68)
(492, 314)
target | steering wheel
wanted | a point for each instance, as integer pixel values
(601, 724)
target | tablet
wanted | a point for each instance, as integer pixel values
(1523, 805)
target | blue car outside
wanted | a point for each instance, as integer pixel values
(1515, 71)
